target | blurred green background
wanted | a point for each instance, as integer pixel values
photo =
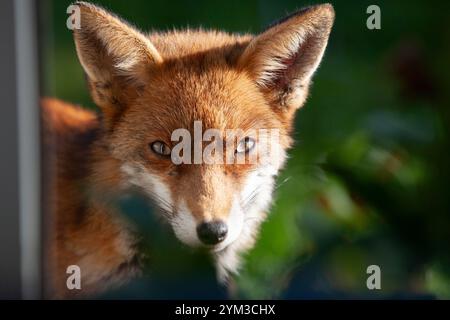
(368, 179)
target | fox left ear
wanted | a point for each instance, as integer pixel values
(283, 58)
(115, 57)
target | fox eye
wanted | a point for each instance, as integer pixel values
(245, 145)
(160, 148)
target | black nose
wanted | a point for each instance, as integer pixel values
(212, 232)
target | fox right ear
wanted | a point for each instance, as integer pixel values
(114, 56)
(284, 57)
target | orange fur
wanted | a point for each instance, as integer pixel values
(146, 87)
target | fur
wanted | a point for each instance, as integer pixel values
(146, 86)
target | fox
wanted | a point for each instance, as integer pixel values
(146, 86)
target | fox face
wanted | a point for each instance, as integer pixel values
(245, 88)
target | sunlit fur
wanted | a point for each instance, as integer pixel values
(146, 86)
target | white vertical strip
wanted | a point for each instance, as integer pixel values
(29, 147)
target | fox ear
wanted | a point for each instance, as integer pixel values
(284, 57)
(115, 57)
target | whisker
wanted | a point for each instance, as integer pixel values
(283, 182)
(162, 203)
(247, 202)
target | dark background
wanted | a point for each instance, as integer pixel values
(368, 179)
(9, 206)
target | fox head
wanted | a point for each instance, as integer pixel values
(147, 86)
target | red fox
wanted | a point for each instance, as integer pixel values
(147, 86)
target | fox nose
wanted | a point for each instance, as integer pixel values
(212, 232)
